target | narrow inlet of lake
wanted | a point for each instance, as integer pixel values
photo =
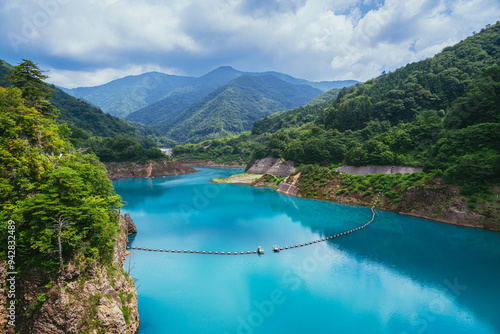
(398, 275)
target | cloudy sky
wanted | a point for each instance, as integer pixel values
(90, 42)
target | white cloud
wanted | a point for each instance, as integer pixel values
(314, 39)
(73, 79)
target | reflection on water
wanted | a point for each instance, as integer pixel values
(399, 275)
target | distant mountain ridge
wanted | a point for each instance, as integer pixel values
(234, 107)
(87, 123)
(122, 97)
(226, 102)
(4, 70)
(180, 98)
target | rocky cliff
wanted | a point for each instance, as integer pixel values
(117, 170)
(89, 298)
(130, 225)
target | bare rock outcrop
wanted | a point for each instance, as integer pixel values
(273, 166)
(130, 225)
(90, 297)
(117, 170)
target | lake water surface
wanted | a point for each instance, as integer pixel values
(398, 275)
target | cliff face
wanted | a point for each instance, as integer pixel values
(117, 170)
(99, 299)
(130, 225)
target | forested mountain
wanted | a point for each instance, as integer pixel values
(181, 97)
(234, 107)
(123, 96)
(4, 70)
(164, 110)
(321, 85)
(89, 127)
(325, 98)
(441, 114)
(295, 117)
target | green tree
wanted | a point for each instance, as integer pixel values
(30, 80)
(41, 179)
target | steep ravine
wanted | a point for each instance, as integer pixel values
(98, 299)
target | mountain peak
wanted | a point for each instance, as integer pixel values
(224, 70)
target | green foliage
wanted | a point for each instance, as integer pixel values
(30, 80)
(435, 83)
(121, 149)
(480, 104)
(278, 180)
(342, 192)
(391, 194)
(41, 179)
(224, 150)
(5, 69)
(233, 108)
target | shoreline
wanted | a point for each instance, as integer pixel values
(356, 202)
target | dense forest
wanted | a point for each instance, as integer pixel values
(47, 187)
(442, 114)
(233, 108)
(226, 102)
(87, 127)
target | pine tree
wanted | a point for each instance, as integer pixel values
(35, 91)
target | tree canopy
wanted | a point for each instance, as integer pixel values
(30, 80)
(43, 178)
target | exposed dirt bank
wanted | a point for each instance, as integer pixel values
(244, 178)
(117, 170)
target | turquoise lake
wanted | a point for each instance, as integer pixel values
(398, 275)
